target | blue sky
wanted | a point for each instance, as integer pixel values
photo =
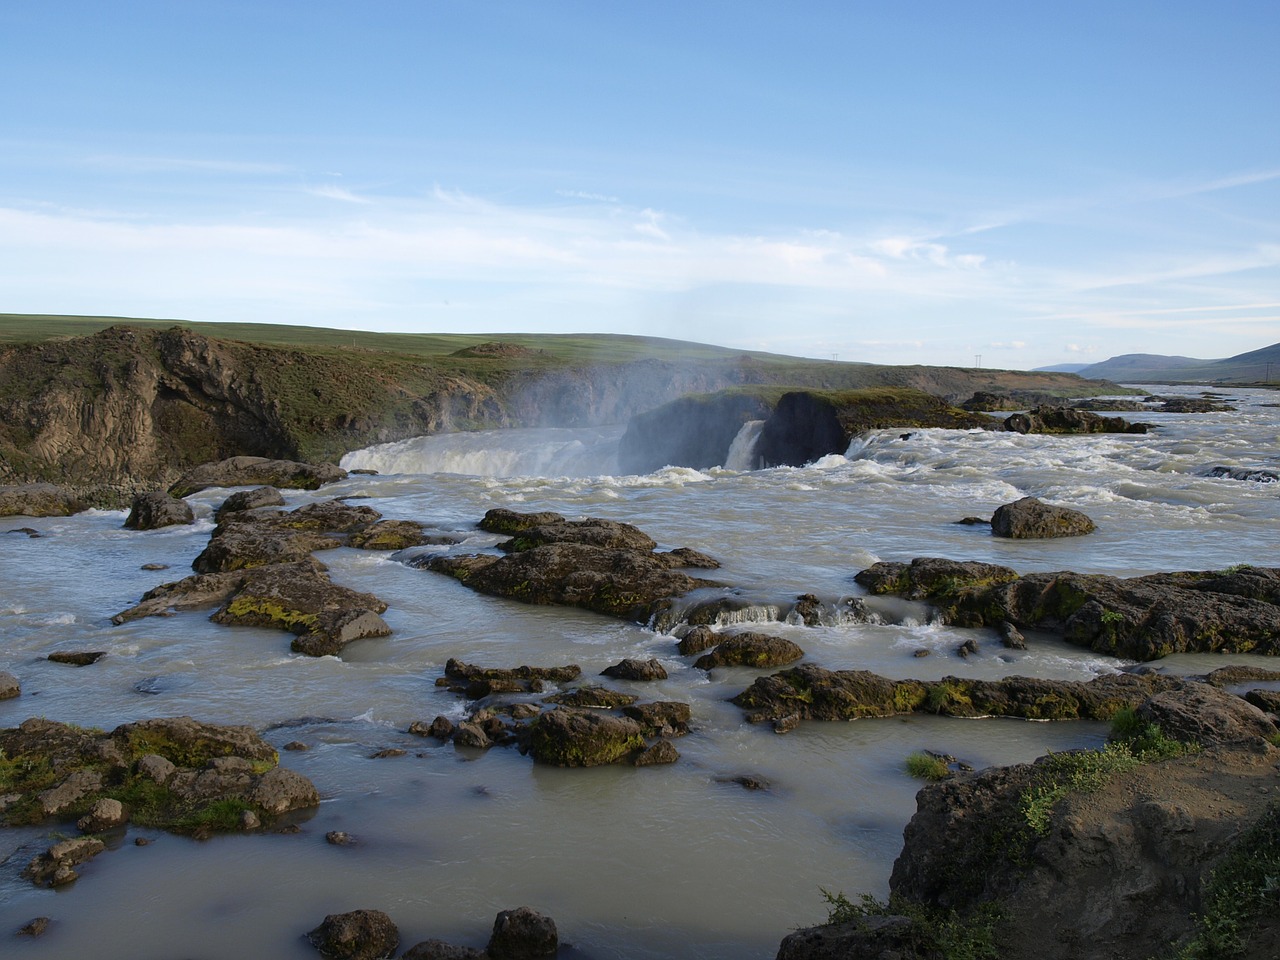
(928, 182)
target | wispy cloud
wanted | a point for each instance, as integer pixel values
(128, 163)
(331, 192)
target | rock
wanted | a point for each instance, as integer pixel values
(872, 938)
(630, 584)
(592, 698)
(280, 791)
(439, 950)
(1194, 405)
(664, 718)
(692, 431)
(156, 768)
(38, 500)
(9, 686)
(339, 838)
(522, 934)
(55, 867)
(106, 814)
(389, 535)
(661, 752)
(501, 520)
(35, 927)
(1011, 636)
(1029, 518)
(1245, 473)
(967, 649)
(1201, 713)
(150, 511)
(243, 500)
(295, 745)
(572, 738)
(154, 566)
(747, 782)
(77, 658)
(639, 670)
(468, 734)
(748, 649)
(1140, 618)
(594, 532)
(973, 522)
(1266, 700)
(476, 682)
(809, 692)
(697, 640)
(358, 935)
(1056, 419)
(78, 785)
(257, 471)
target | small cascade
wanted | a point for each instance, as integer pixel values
(742, 452)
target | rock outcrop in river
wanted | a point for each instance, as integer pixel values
(1138, 618)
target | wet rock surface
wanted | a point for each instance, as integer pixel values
(9, 686)
(1059, 419)
(548, 566)
(38, 500)
(242, 500)
(151, 511)
(356, 935)
(256, 472)
(1139, 618)
(1031, 518)
(750, 649)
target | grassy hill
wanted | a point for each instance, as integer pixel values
(1255, 367)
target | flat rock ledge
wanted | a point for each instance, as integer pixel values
(176, 774)
(810, 692)
(1139, 618)
(1124, 867)
(599, 565)
(38, 500)
(257, 472)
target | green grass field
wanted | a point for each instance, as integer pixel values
(570, 347)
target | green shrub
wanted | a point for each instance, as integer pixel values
(944, 933)
(925, 766)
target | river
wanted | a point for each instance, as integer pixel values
(671, 861)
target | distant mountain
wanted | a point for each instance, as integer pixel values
(1061, 368)
(1256, 366)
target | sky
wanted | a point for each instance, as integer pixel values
(1002, 184)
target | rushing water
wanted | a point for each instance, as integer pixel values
(636, 863)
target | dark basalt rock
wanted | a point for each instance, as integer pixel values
(439, 950)
(1201, 713)
(243, 500)
(1055, 419)
(872, 938)
(476, 682)
(658, 753)
(1194, 405)
(150, 511)
(522, 934)
(390, 535)
(256, 472)
(77, 658)
(1029, 519)
(55, 867)
(592, 531)
(502, 520)
(1245, 473)
(694, 431)
(638, 670)
(38, 500)
(574, 738)
(9, 686)
(357, 935)
(662, 718)
(1140, 618)
(621, 583)
(697, 640)
(759, 650)
(810, 692)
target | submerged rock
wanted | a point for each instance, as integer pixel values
(1030, 518)
(77, 658)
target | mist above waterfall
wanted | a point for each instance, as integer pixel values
(538, 452)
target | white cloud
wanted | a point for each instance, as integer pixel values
(330, 192)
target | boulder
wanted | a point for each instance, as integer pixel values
(106, 814)
(1245, 473)
(55, 867)
(759, 650)
(256, 472)
(1030, 518)
(592, 531)
(664, 718)
(243, 500)
(1201, 713)
(476, 682)
(522, 934)
(151, 511)
(504, 521)
(638, 670)
(357, 935)
(872, 938)
(661, 752)
(9, 686)
(573, 738)
(38, 500)
(77, 658)
(697, 640)
(389, 535)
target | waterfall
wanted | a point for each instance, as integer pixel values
(542, 452)
(742, 452)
